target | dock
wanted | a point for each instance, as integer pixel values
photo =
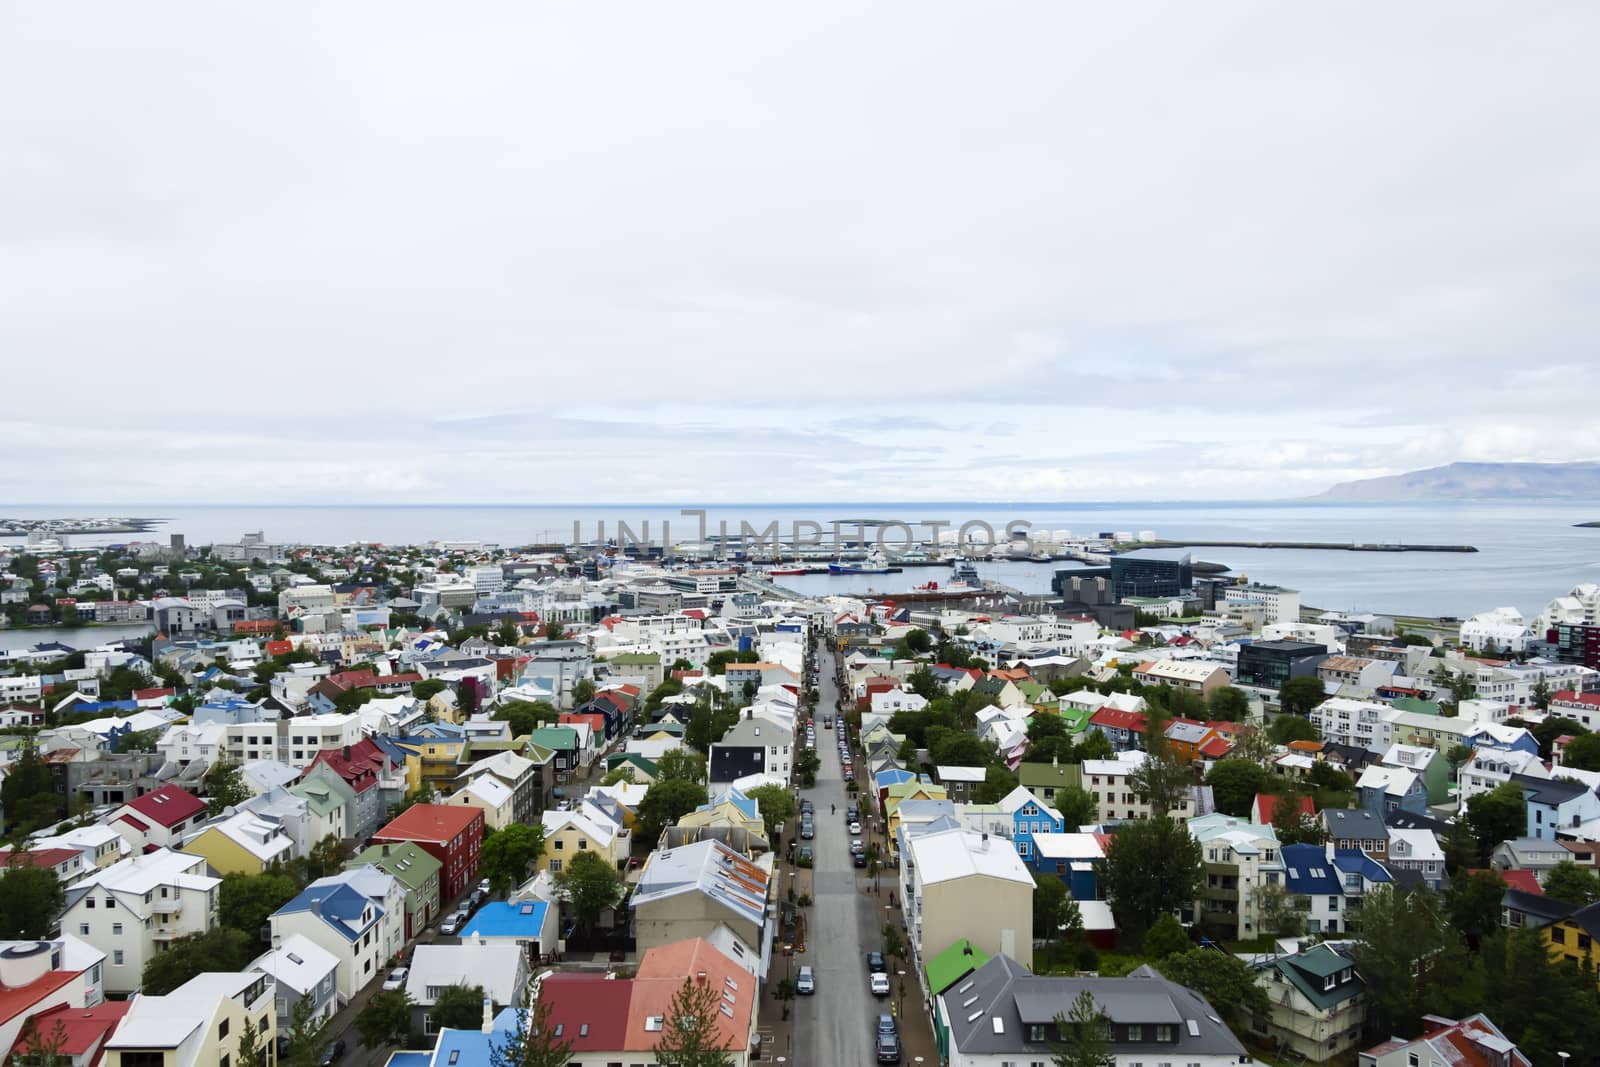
(1331, 546)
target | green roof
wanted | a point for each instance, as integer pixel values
(556, 738)
(1049, 775)
(616, 759)
(1031, 691)
(1421, 707)
(635, 658)
(1308, 973)
(410, 863)
(953, 964)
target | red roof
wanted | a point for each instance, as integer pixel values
(37, 857)
(439, 823)
(15, 1001)
(1267, 805)
(591, 1011)
(1119, 720)
(153, 694)
(358, 764)
(1216, 747)
(1519, 878)
(85, 1029)
(1567, 696)
(353, 679)
(279, 648)
(408, 678)
(595, 721)
(254, 626)
(168, 806)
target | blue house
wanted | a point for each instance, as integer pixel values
(1556, 803)
(1503, 737)
(1385, 789)
(1029, 816)
(1072, 857)
(1315, 885)
(528, 924)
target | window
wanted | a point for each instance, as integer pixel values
(83, 929)
(88, 902)
(1411, 1059)
(116, 957)
(1135, 1032)
(1558, 935)
(555, 866)
(222, 1029)
(560, 845)
(116, 929)
(1164, 1033)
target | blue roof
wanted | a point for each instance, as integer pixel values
(1354, 861)
(1306, 870)
(387, 746)
(504, 919)
(473, 1048)
(891, 776)
(340, 906)
(747, 807)
(410, 1059)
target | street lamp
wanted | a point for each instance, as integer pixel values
(901, 1009)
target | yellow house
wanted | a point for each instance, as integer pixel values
(243, 843)
(908, 791)
(728, 808)
(200, 1024)
(432, 761)
(572, 833)
(1575, 938)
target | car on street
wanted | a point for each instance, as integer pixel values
(332, 1054)
(887, 1025)
(485, 887)
(852, 813)
(875, 963)
(859, 859)
(395, 980)
(879, 983)
(805, 856)
(888, 1048)
(452, 926)
(807, 830)
(827, 724)
(806, 983)
(855, 827)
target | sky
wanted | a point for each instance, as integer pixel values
(524, 253)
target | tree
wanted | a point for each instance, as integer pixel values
(681, 763)
(1077, 807)
(1166, 937)
(506, 857)
(665, 803)
(305, 1037)
(622, 773)
(249, 1049)
(1545, 1005)
(28, 780)
(582, 692)
(690, 1035)
(531, 1041)
(1411, 959)
(1049, 900)
(590, 885)
(1498, 815)
(1092, 744)
(1547, 731)
(554, 631)
(1223, 979)
(30, 899)
(221, 948)
(1583, 753)
(1255, 745)
(777, 806)
(923, 683)
(459, 1007)
(1228, 704)
(1162, 782)
(1286, 728)
(1568, 882)
(245, 901)
(1279, 916)
(36, 1048)
(1460, 847)
(1298, 696)
(1234, 784)
(525, 715)
(959, 749)
(1152, 867)
(1085, 1035)
(1541, 694)
(998, 782)
(224, 787)
(509, 633)
(428, 688)
(1292, 823)
(386, 1020)
(139, 741)
(1473, 903)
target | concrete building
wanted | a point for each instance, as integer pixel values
(199, 1024)
(689, 890)
(958, 884)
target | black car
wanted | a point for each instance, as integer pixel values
(888, 1048)
(859, 859)
(852, 814)
(875, 963)
(887, 1025)
(332, 1054)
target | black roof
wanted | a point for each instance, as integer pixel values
(729, 762)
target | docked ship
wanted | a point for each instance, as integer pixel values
(873, 564)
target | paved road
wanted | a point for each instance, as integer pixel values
(835, 1026)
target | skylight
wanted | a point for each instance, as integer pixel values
(975, 1016)
(999, 1024)
(652, 1023)
(965, 987)
(1194, 1027)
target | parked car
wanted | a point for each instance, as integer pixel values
(879, 982)
(807, 830)
(855, 827)
(858, 858)
(875, 963)
(887, 1025)
(332, 1054)
(888, 1048)
(485, 887)
(852, 813)
(396, 979)
(451, 926)
(806, 983)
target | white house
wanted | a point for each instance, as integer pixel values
(303, 970)
(1501, 630)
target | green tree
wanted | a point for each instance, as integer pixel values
(459, 1007)
(1286, 728)
(428, 688)
(777, 806)
(923, 683)
(1460, 847)
(1166, 937)
(1162, 782)
(1092, 744)
(690, 1035)
(1498, 815)
(1541, 694)
(507, 856)
(1077, 807)
(1279, 916)
(1227, 704)
(1545, 1005)
(554, 631)
(583, 692)
(997, 782)
(305, 1037)
(250, 1049)
(1298, 696)
(1152, 867)
(1411, 959)
(1234, 784)
(224, 787)
(1548, 730)
(508, 634)
(1049, 900)
(525, 715)
(681, 763)
(1568, 882)
(958, 749)
(1583, 753)
(36, 1048)
(622, 773)
(221, 948)
(1292, 823)
(665, 803)
(386, 1020)
(590, 885)
(245, 901)
(531, 1041)
(30, 899)
(1473, 903)
(139, 741)
(1085, 1039)
(1223, 979)
(28, 780)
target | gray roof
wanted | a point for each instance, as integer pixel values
(990, 1010)
(1354, 823)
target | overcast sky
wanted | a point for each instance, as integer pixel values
(755, 252)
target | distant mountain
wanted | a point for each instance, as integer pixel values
(1478, 481)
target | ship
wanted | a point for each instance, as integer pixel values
(873, 564)
(784, 570)
(964, 578)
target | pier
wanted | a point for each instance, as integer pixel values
(1333, 546)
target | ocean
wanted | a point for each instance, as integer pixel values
(1528, 552)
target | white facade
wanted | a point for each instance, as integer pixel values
(1490, 768)
(1503, 630)
(1283, 605)
(293, 741)
(137, 907)
(1362, 723)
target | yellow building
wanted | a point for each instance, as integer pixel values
(243, 843)
(898, 794)
(202, 1023)
(571, 833)
(433, 761)
(1575, 937)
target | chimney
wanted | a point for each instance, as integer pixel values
(1055, 762)
(386, 850)
(488, 1015)
(984, 844)
(701, 977)
(347, 752)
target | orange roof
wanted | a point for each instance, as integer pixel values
(84, 1028)
(1306, 746)
(661, 973)
(15, 1001)
(430, 822)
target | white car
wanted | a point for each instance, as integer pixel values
(880, 984)
(453, 924)
(396, 979)
(484, 887)
(855, 828)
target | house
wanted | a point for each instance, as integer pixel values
(490, 796)
(374, 780)
(1194, 675)
(522, 776)
(199, 1024)
(1240, 858)
(345, 923)
(1419, 851)
(1002, 1014)
(690, 890)
(1073, 857)
(526, 926)
(242, 843)
(1316, 886)
(328, 801)
(417, 871)
(303, 972)
(960, 783)
(452, 835)
(1490, 768)
(1357, 828)
(727, 764)
(98, 846)
(158, 819)
(1556, 804)
(728, 808)
(65, 863)
(45, 979)
(1528, 854)
(1574, 936)
(83, 1032)
(137, 907)
(1317, 1003)
(1429, 764)
(1044, 779)
(1110, 782)
(1029, 816)
(754, 731)
(585, 829)
(1124, 729)
(1383, 789)
(502, 971)
(957, 884)
(1473, 1040)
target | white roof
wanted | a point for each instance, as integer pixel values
(492, 792)
(962, 774)
(1181, 670)
(501, 765)
(264, 839)
(496, 968)
(1068, 846)
(299, 963)
(1395, 781)
(1421, 845)
(960, 853)
(141, 874)
(600, 831)
(168, 1021)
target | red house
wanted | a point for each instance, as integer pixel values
(450, 834)
(358, 764)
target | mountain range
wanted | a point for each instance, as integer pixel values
(1478, 481)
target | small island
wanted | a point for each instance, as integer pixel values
(1595, 525)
